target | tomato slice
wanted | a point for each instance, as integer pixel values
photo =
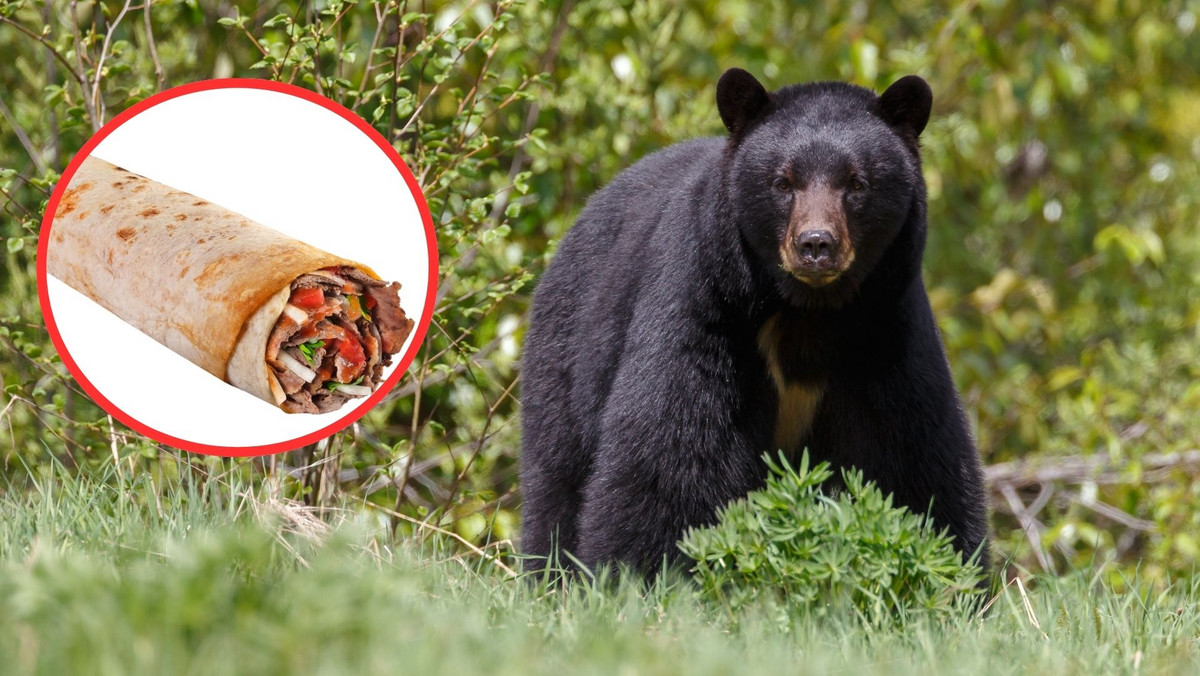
(308, 299)
(352, 351)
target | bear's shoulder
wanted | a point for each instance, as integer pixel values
(634, 204)
(676, 165)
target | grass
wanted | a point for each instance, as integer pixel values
(116, 575)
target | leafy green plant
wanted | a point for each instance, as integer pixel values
(794, 543)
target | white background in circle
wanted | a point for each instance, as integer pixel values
(287, 163)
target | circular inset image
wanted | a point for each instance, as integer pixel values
(237, 267)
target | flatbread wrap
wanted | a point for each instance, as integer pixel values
(298, 327)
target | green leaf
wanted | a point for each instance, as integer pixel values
(309, 349)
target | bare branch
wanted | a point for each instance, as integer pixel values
(1081, 468)
(1031, 526)
(1115, 514)
(158, 69)
(97, 100)
(380, 19)
(22, 137)
(81, 72)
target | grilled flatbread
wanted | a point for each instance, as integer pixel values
(296, 326)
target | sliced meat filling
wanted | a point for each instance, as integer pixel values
(394, 326)
(335, 335)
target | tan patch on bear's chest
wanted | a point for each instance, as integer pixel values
(798, 401)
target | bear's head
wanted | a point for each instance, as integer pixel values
(823, 178)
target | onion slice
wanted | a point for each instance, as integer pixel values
(295, 314)
(290, 363)
(354, 390)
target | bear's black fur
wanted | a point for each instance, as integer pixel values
(726, 297)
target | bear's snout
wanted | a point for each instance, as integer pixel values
(816, 249)
(816, 257)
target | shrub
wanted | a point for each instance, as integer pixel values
(798, 545)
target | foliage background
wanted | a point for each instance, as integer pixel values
(1063, 260)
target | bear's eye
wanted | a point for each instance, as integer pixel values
(856, 183)
(781, 183)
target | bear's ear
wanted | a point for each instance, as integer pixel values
(741, 99)
(905, 106)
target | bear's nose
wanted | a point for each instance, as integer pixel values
(816, 246)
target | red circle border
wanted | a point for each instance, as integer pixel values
(239, 83)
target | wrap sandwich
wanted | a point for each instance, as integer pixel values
(300, 328)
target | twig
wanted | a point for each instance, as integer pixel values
(434, 39)
(291, 43)
(51, 79)
(49, 46)
(420, 384)
(97, 100)
(37, 414)
(262, 50)
(67, 382)
(314, 23)
(84, 85)
(433, 90)
(1080, 468)
(1116, 514)
(380, 20)
(415, 432)
(11, 200)
(22, 137)
(1031, 526)
(483, 437)
(158, 69)
(400, 28)
(1043, 498)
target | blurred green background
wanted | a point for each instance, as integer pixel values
(1063, 261)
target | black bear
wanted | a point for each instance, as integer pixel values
(727, 297)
